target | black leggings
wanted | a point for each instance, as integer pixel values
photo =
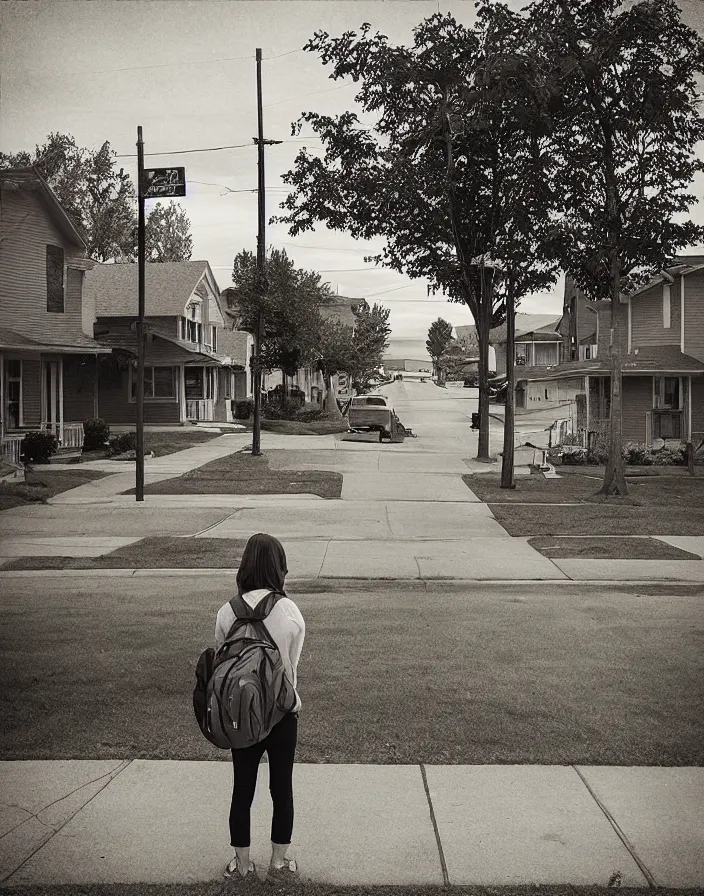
(280, 746)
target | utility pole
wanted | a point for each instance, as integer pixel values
(507, 461)
(261, 265)
(139, 485)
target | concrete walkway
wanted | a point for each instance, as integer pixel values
(141, 821)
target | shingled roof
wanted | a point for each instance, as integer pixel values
(74, 344)
(650, 361)
(168, 287)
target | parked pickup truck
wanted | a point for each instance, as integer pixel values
(372, 412)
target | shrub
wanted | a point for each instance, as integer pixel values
(96, 433)
(638, 454)
(126, 441)
(243, 409)
(37, 447)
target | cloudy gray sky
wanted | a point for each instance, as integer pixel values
(185, 71)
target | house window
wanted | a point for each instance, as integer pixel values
(159, 383)
(55, 279)
(545, 353)
(214, 337)
(13, 403)
(666, 393)
(666, 318)
(521, 354)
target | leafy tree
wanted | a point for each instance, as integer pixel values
(336, 350)
(434, 176)
(620, 91)
(167, 233)
(439, 335)
(370, 340)
(100, 200)
(291, 320)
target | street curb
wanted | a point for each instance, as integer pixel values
(376, 584)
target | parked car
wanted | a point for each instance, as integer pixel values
(373, 413)
(498, 387)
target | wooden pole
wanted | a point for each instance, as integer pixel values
(139, 472)
(507, 467)
(261, 266)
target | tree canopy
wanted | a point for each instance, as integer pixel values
(448, 179)
(370, 341)
(625, 121)
(291, 320)
(167, 233)
(439, 336)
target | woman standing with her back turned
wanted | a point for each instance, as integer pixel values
(262, 570)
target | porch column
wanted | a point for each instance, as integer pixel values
(182, 392)
(3, 427)
(61, 400)
(96, 405)
(688, 409)
(586, 391)
(52, 395)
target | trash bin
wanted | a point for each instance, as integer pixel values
(475, 421)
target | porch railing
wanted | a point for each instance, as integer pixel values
(70, 435)
(200, 409)
(11, 447)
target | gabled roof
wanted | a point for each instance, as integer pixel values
(681, 265)
(341, 312)
(30, 179)
(168, 287)
(543, 325)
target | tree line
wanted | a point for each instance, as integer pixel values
(491, 157)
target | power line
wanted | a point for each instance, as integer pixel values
(135, 68)
(304, 95)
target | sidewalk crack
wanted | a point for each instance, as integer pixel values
(111, 775)
(443, 863)
(327, 546)
(619, 832)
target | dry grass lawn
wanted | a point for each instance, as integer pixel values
(41, 485)
(595, 547)
(150, 553)
(490, 675)
(242, 474)
(660, 503)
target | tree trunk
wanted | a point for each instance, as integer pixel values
(507, 478)
(331, 407)
(614, 476)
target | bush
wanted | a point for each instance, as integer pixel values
(96, 433)
(243, 409)
(638, 454)
(126, 441)
(37, 447)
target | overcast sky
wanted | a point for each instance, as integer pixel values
(185, 71)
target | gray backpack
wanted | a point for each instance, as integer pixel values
(248, 691)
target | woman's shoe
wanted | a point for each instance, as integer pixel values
(231, 870)
(283, 874)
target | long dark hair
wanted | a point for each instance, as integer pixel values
(263, 564)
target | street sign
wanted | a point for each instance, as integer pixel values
(161, 182)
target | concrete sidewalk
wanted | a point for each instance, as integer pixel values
(142, 821)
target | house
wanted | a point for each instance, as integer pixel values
(662, 359)
(195, 366)
(536, 340)
(48, 356)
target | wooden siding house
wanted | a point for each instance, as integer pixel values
(193, 369)
(48, 356)
(662, 357)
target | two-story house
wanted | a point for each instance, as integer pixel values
(48, 356)
(194, 366)
(661, 326)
